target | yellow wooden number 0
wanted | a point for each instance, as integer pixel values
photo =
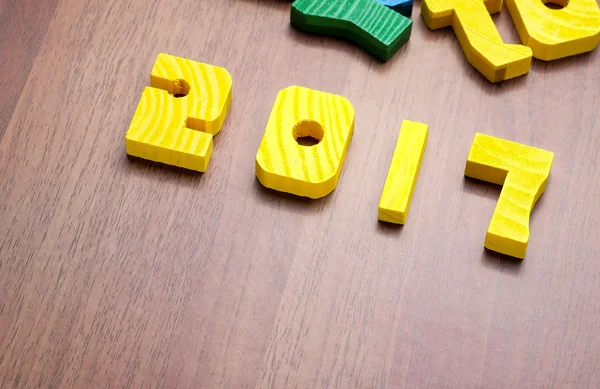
(309, 171)
(523, 171)
(178, 115)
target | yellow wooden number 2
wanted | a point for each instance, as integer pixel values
(178, 115)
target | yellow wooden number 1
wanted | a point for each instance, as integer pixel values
(523, 171)
(402, 175)
(178, 115)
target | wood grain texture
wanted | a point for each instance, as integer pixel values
(117, 272)
(19, 44)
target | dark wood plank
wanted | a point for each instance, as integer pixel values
(121, 273)
(23, 26)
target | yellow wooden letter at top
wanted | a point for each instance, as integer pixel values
(402, 176)
(523, 171)
(478, 36)
(283, 164)
(178, 115)
(557, 33)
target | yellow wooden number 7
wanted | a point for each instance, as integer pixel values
(523, 171)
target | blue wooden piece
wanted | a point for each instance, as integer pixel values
(403, 7)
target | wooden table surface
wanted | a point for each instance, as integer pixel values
(116, 272)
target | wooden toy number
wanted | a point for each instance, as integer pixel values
(546, 33)
(186, 105)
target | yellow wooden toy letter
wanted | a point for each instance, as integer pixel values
(178, 115)
(556, 33)
(523, 171)
(402, 176)
(310, 171)
(478, 36)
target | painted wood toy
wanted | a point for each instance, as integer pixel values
(283, 164)
(403, 172)
(546, 33)
(371, 25)
(187, 103)
(523, 172)
(478, 36)
(179, 113)
(557, 33)
(403, 7)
